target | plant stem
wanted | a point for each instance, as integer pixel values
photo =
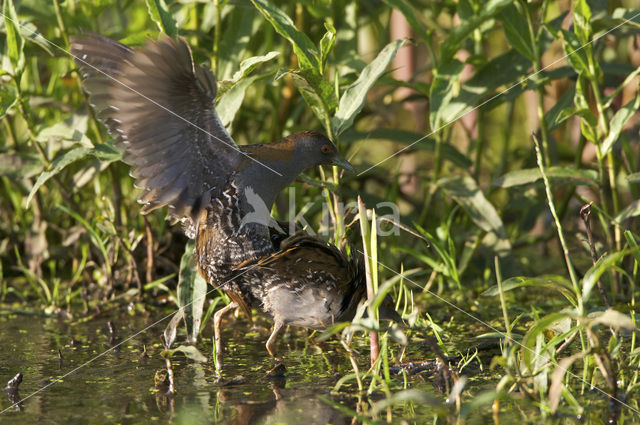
(552, 208)
(61, 25)
(544, 133)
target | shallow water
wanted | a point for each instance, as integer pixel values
(118, 386)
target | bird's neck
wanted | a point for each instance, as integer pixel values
(271, 168)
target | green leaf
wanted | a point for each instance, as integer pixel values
(516, 30)
(447, 76)
(192, 290)
(326, 44)
(618, 122)
(603, 264)
(8, 98)
(106, 152)
(71, 130)
(540, 326)
(317, 93)
(248, 65)
(589, 122)
(532, 175)
(159, 13)
(582, 21)
(58, 164)
(465, 192)
(552, 282)
(354, 98)
(561, 111)
(460, 32)
(282, 23)
(575, 51)
(229, 103)
(15, 42)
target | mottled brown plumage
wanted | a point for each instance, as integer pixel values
(159, 106)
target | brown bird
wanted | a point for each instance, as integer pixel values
(160, 106)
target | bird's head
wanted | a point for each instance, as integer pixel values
(314, 149)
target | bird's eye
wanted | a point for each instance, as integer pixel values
(325, 148)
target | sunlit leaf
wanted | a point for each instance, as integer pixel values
(106, 152)
(601, 266)
(552, 282)
(538, 327)
(631, 210)
(303, 47)
(58, 164)
(8, 98)
(311, 96)
(582, 21)
(171, 329)
(159, 13)
(15, 42)
(229, 103)
(613, 319)
(447, 76)
(354, 98)
(192, 291)
(192, 353)
(248, 65)
(618, 122)
(326, 44)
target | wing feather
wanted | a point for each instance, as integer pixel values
(162, 108)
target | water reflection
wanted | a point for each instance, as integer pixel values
(283, 406)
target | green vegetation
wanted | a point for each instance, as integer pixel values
(533, 240)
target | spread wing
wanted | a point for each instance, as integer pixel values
(161, 106)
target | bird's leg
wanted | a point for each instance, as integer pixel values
(277, 327)
(217, 332)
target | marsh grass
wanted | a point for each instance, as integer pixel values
(501, 214)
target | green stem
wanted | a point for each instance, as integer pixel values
(552, 208)
(544, 133)
(610, 162)
(505, 315)
(61, 25)
(216, 36)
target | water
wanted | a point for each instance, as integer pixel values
(118, 387)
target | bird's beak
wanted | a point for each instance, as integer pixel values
(343, 163)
